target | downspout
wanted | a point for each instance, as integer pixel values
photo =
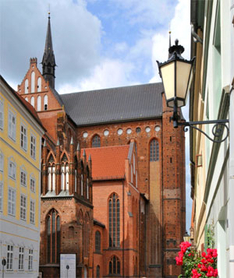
(123, 224)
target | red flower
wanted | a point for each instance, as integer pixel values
(203, 254)
(179, 261)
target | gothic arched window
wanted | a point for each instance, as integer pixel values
(154, 150)
(114, 265)
(96, 142)
(98, 271)
(39, 84)
(39, 103)
(45, 102)
(114, 221)
(32, 82)
(53, 236)
(97, 242)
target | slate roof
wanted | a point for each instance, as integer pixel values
(114, 105)
(108, 163)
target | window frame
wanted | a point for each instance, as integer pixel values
(30, 260)
(114, 220)
(32, 212)
(11, 125)
(33, 144)
(23, 207)
(1, 161)
(11, 168)
(1, 195)
(23, 137)
(97, 242)
(96, 141)
(24, 173)
(10, 202)
(32, 183)
(154, 150)
(21, 259)
(9, 259)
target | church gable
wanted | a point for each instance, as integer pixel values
(36, 90)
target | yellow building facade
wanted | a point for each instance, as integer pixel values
(20, 173)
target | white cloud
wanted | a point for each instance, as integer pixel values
(109, 73)
(180, 29)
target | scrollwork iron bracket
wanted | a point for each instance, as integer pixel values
(217, 130)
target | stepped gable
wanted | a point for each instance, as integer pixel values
(115, 105)
(108, 163)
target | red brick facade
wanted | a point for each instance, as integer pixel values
(159, 205)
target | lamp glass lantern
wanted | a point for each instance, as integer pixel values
(176, 74)
(186, 237)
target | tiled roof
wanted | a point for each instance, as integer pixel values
(108, 163)
(114, 105)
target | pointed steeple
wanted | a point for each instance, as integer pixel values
(48, 61)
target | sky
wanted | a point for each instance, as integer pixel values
(97, 43)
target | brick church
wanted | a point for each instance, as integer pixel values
(113, 177)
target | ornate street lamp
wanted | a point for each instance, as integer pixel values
(186, 237)
(176, 74)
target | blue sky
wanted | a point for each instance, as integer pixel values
(97, 43)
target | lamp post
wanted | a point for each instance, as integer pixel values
(186, 237)
(176, 74)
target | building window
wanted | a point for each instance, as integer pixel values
(87, 186)
(114, 265)
(32, 101)
(9, 264)
(32, 183)
(23, 137)
(11, 201)
(51, 178)
(53, 237)
(98, 271)
(23, 203)
(45, 102)
(26, 86)
(23, 177)
(39, 103)
(32, 212)
(65, 177)
(33, 82)
(97, 242)
(1, 195)
(76, 175)
(1, 114)
(33, 146)
(82, 185)
(1, 161)
(21, 258)
(30, 259)
(154, 150)
(12, 169)
(96, 142)
(39, 84)
(114, 221)
(11, 125)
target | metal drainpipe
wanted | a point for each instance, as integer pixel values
(123, 224)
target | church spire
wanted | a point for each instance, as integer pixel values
(48, 61)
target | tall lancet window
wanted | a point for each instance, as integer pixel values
(114, 221)
(39, 103)
(53, 236)
(82, 180)
(51, 175)
(32, 101)
(45, 102)
(154, 150)
(39, 84)
(65, 177)
(65, 174)
(26, 86)
(33, 82)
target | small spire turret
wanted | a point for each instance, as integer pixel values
(48, 60)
